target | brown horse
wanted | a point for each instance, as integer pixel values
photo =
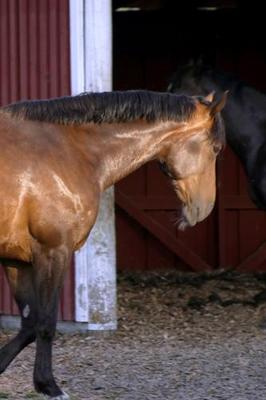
(57, 157)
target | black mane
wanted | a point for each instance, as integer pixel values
(106, 107)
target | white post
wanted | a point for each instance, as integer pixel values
(95, 263)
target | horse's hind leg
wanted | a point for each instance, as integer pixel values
(20, 278)
(50, 266)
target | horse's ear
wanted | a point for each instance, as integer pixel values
(210, 97)
(218, 103)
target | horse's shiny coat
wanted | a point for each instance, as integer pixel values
(57, 157)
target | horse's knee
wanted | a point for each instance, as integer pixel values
(257, 178)
(45, 331)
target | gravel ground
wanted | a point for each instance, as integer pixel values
(180, 337)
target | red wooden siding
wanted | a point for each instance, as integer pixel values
(34, 63)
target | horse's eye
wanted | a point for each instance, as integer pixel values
(164, 168)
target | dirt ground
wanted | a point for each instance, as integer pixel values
(180, 337)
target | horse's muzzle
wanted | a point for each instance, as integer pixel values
(191, 215)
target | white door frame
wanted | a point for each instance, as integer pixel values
(91, 70)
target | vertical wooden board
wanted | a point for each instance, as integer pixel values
(220, 221)
(53, 48)
(158, 256)
(131, 243)
(5, 52)
(158, 184)
(23, 49)
(252, 232)
(64, 48)
(230, 175)
(231, 239)
(211, 238)
(33, 61)
(196, 238)
(13, 33)
(43, 55)
(242, 181)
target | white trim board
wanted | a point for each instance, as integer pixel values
(91, 70)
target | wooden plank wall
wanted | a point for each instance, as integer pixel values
(34, 63)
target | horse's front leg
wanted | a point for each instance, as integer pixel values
(50, 266)
(20, 278)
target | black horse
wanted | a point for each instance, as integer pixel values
(244, 116)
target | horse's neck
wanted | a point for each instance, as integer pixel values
(245, 116)
(124, 147)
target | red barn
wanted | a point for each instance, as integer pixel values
(53, 48)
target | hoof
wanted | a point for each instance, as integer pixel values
(62, 396)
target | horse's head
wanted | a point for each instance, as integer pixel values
(190, 159)
(194, 78)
